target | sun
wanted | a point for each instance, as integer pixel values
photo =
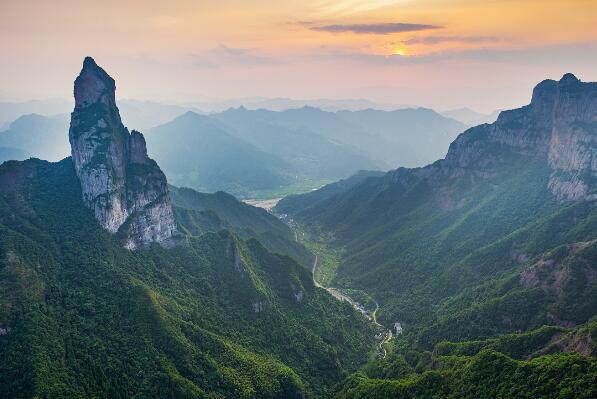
(401, 51)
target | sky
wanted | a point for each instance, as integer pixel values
(442, 54)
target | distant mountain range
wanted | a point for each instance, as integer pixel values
(197, 151)
(38, 136)
(283, 104)
(145, 114)
(259, 152)
(470, 117)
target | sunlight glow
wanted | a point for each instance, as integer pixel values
(401, 51)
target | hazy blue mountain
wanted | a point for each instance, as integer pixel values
(418, 136)
(464, 115)
(9, 111)
(137, 113)
(406, 137)
(299, 140)
(470, 117)
(195, 151)
(43, 137)
(489, 118)
(283, 104)
(147, 114)
(10, 153)
(251, 152)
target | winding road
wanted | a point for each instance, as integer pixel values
(385, 336)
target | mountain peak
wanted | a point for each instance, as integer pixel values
(89, 62)
(93, 85)
(569, 78)
(106, 158)
(545, 92)
(558, 125)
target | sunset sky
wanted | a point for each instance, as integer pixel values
(437, 53)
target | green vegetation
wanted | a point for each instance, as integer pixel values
(454, 273)
(218, 317)
(327, 259)
(490, 277)
(199, 213)
(526, 365)
(293, 203)
(487, 374)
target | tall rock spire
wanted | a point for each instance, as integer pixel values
(123, 186)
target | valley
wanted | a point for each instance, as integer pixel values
(315, 199)
(266, 204)
(475, 249)
(383, 334)
(472, 276)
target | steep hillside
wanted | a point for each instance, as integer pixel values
(474, 253)
(460, 230)
(108, 290)
(86, 317)
(295, 203)
(198, 213)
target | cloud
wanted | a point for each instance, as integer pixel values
(584, 53)
(354, 6)
(453, 39)
(376, 29)
(239, 55)
(200, 61)
(223, 56)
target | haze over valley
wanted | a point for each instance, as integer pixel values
(320, 199)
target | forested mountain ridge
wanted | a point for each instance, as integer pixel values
(215, 316)
(478, 250)
(496, 238)
(198, 213)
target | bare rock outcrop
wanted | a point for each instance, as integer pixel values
(559, 127)
(123, 186)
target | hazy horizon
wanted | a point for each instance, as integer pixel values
(430, 53)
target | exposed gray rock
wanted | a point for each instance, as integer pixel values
(123, 186)
(558, 129)
(559, 126)
(259, 307)
(573, 146)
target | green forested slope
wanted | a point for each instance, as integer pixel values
(219, 317)
(200, 212)
(496, 239)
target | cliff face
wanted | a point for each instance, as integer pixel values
(124, 187)
(573, 145)
(558, 126)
